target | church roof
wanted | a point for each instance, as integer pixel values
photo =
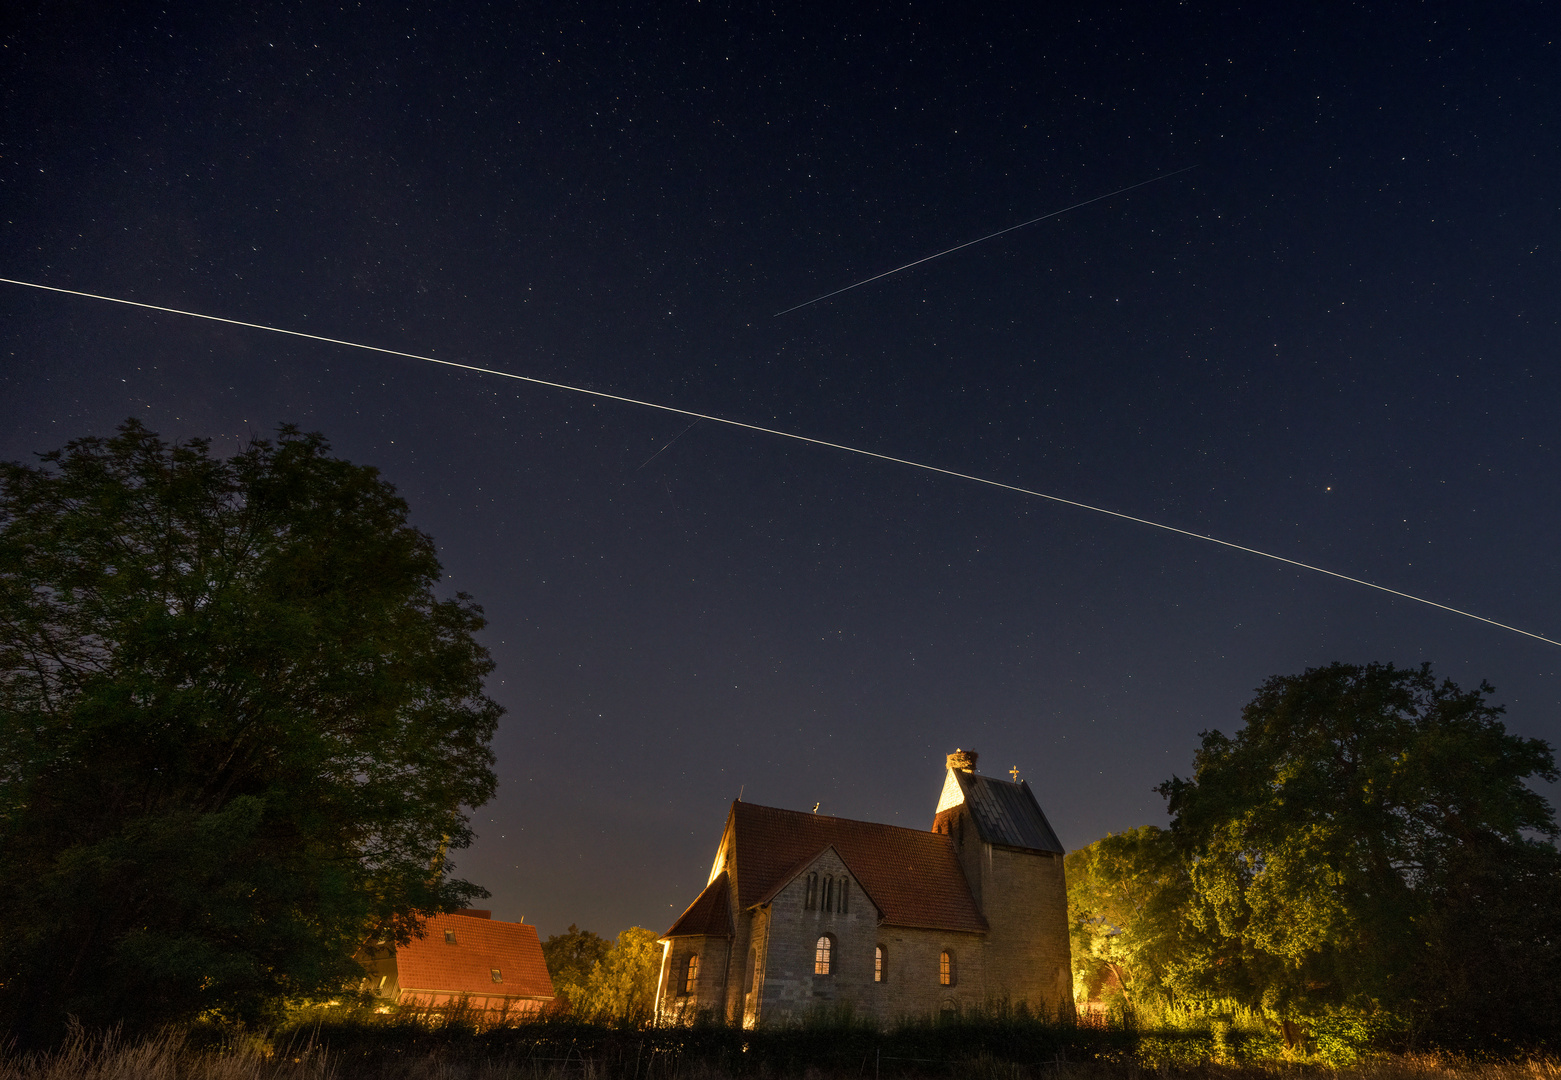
(913, 876)
(466, 965)
(1006, 812)
(709, 914)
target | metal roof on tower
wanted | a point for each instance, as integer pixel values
(1005, 812)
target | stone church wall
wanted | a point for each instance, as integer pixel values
(709, 984)
(786, 939)
(1026, 905)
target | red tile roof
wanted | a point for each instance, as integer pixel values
(710, 914)
(914, 877)
(430, 963)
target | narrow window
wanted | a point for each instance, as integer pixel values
(497, 975)
(829, 894)
(752, 980)
(821, 953)
(880, 969)
(692, 975)
(845, 894)
(812, 900)
(945, 968)
(449, 937)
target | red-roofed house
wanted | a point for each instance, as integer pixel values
(803, 910)
(467, 956)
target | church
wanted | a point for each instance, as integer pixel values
(805, 912)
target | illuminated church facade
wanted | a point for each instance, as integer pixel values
(804, 911)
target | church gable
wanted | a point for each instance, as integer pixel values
(914, 877)
(826, 883)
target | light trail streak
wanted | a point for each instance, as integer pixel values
(697, 416)
(988, 236)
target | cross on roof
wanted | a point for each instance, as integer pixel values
(1014, 772)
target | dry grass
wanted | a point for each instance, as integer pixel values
(171, 1057)
(164, 1057)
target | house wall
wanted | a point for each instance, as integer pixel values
(381, 978)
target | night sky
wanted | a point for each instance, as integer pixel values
(1335, 339)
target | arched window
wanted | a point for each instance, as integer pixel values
(692, 975)
(823, 955)
(845, 902)
(947, 975)
(880, 965)
(812, 901)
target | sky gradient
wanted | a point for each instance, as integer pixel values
(1335, 339)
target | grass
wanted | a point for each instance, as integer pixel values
(986, 1047)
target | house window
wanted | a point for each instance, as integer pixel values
(692, 974)
(498, 976)
(449, 937)
(880, 966)
(822, 952)
(844, 894)
(947, 976)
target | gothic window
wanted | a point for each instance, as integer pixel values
(946, 973)
(692, 975)
(845, 902)
(880, 965)
(823, 952)
(812, 899)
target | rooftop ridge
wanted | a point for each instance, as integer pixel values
(832, 817)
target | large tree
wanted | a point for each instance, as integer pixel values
(1360, 837)
(239, 729)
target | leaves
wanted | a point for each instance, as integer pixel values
(238, 727)
(1334, 835)
(606, 983)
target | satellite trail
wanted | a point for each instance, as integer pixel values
(988, 236)
(697, 416)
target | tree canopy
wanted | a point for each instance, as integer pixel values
(571, 957)
(239, 730)
(606, 982)
(1128, 895)
(1367, 840)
